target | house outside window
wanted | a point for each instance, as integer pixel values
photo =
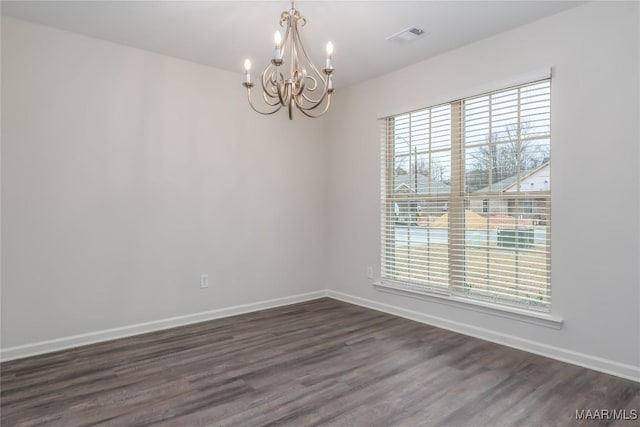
(476, 194)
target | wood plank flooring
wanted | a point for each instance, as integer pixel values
(322, 362)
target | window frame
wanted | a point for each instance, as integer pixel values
(458, 199)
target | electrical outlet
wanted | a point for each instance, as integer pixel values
(204, 280)
(369, 272)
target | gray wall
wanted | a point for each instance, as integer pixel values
(127, 174)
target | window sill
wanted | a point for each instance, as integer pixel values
(513, 313)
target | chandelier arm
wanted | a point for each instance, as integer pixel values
(290, 110)
(300, 46)
(285, 93)
(314, 104)
(293, 57)
(281, 89)
(269, 102)
(264, 113)
(268, 91)
(299, 76)
(266, 95)
(285, 38)
(306, 95)
(315, 116)
(284, 17)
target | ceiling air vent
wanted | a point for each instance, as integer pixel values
(407, 35)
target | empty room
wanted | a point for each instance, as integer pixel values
(320, 213)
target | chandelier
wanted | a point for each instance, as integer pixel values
(304, 87)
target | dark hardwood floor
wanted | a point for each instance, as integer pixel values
(322, 362)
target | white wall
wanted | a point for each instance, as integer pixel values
(593, 50)
(127, 174)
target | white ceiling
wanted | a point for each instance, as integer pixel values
(223, 33)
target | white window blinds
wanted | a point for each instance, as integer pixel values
(466, 197)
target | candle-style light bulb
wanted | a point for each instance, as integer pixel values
(329, 53)
(277, 37)
(329, 48)
(247, 68)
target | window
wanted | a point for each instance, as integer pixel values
(466, 198)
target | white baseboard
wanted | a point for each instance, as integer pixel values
(49, 346)
(591, 362)
(575, 358)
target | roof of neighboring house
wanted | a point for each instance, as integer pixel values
(533, 172)
(499, 186)
(407, 183)
(510, 182)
